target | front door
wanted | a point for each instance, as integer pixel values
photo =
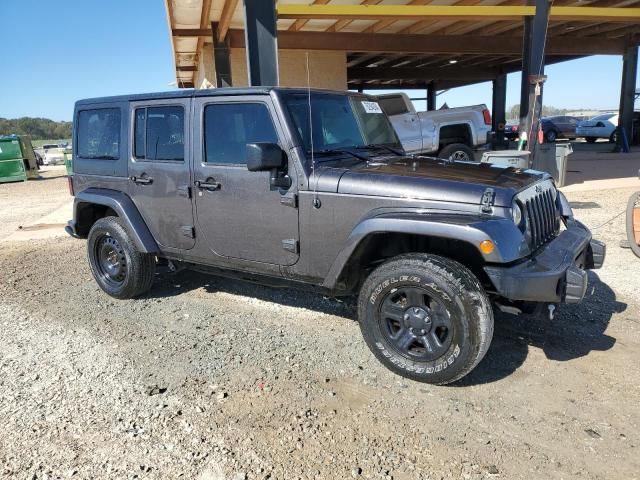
(238, 214)
(159, 174)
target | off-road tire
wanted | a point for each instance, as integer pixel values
(634, 200)
(137, 268)
(458, 291)
(457, 151)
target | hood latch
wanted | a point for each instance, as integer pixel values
(488, 200)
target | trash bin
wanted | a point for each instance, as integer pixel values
(510, 158)
(68, 160)
(553, 158)
(17, 159)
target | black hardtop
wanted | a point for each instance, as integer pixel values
(205, 92)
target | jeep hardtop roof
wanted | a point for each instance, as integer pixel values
(208, 92)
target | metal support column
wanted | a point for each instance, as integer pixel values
(524, 82)
(221, 59)
(431, 97)
(499, 108)
(627, 97)
(261, 42)
(538, 39)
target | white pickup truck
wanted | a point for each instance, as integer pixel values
(452, 133)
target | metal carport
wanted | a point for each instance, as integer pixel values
(426, 44)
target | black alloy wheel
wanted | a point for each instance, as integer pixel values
(416, 323)
(112, 261)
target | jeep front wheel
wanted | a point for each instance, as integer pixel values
(117, 266)
(425, 317)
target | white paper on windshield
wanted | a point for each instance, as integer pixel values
(371, 107)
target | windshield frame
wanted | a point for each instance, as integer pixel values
(283, 96)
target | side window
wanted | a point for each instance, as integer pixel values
(99, 133)
(159, 133)
(228, 127)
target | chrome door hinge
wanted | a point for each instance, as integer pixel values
(289, 200)
(290, 245)
(184, 191)
(188, 231)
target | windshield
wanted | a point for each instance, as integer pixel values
(339, 121)
(603, 117)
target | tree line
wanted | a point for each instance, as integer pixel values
(547, 111)
(37, 128)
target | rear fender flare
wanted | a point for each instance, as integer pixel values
(126, 210)
(472, 229)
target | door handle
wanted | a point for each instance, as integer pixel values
(210, 184)
(142, 180)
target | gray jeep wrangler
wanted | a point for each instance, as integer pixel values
(289, 186)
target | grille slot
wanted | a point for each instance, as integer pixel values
(541, 214)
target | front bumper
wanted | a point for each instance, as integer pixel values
(557, 273)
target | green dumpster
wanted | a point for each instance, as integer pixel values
(68, 160)
(17, 159)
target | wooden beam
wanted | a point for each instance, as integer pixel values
(225, 18)
(342, 23)
(382, 24)
(472, 12)
(301, 22)
(423, 74)
(399, 12)
(422, 44)
(204, 22)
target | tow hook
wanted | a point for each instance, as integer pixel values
(552, 311)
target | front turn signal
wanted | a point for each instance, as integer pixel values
(487, 247)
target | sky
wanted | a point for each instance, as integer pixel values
(89, 48)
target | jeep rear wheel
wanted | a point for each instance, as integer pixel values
(117, 266)
(426, 318)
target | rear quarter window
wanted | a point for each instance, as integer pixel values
(98, 133)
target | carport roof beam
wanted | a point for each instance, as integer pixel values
(451, 12)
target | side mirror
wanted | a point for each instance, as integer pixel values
(264, 156)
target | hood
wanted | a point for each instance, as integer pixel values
(423, 178)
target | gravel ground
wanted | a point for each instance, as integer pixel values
(26, 202)
(214, 379)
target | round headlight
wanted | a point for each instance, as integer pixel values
(516, 213)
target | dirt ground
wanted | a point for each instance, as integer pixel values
(208, 378)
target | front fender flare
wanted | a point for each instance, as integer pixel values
(473, 229)
(126, 210)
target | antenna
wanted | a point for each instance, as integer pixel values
(316, 200)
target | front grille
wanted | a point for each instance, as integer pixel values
(540, 213)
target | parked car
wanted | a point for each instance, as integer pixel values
(446, 133)
(53, 155)
(512, 130)
(559, 126)
(602, 126)
(311, 188)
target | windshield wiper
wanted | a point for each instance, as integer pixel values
(336, 151)
(380, 145)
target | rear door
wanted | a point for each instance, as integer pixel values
(159, 174)
(238, 214)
